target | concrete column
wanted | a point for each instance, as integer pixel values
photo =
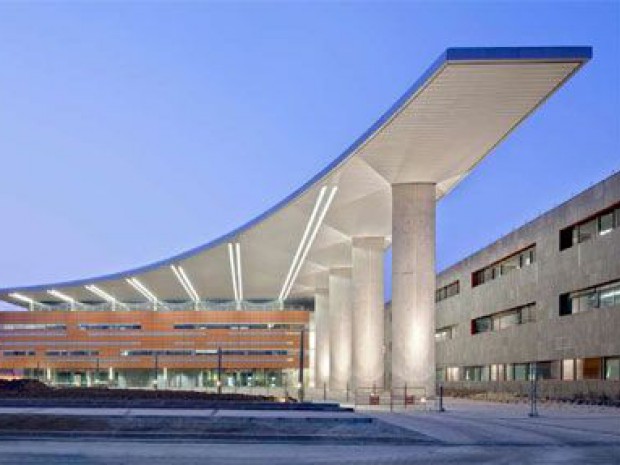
(321, 322)
(413, 286)
(340, 328)
(368, 303)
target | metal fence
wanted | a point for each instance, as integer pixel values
(405, 397)
(547, 390)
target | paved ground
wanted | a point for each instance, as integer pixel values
(137, 412)
(469, 432)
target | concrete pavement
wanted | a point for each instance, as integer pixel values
(469, 432)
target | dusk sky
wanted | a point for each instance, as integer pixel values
(132, 132)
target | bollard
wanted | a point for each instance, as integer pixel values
(533, 407)
(324, 391)
(441, 409)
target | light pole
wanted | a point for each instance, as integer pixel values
(156, 369)
(300, 384)
(219, 370)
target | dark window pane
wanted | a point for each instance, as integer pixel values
(606, 223)
(591, 368)
(612, 368)
(608, 297)
(566, 304)
(587, 230)
(543, 370)
(566, 238)
(482, 325)
(521, 371)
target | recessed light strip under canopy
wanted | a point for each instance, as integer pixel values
(185, 282)
(141, 288)
(61, 296)
(23, 298)
(234, 256)
(104, 295)
(312, 228)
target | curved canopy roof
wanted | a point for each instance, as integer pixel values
(464, 105)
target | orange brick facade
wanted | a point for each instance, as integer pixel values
(97, 341)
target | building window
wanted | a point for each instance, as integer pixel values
(612, 368)
(568, 369)
(18, 353)
(521, 371)
(505, 266)
(200, 352)
(482, 325)
(240, 326)
(444, 334)
(72, 353)
(498, 372)
(476, 373)
(591, 368)
(600, 224)
(109, 326)
(445, 292)
(604, 296)
(582, 368)
(505, 319)
(33, 327)
(452, 374)
(543, 370)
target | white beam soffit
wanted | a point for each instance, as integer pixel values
(460, 109)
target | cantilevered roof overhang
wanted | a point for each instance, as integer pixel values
(463, 106)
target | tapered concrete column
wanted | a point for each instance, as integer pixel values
(367, 282)
(340, 328)
(322, 337)
(413, 286)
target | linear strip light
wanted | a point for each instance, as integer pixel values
(61, 296)
(233, 271)
(186, 283)
(104, 295)
(141, 288)
(239, 280)
(310, 241)
(189, 284)
(302, 242)
(23, 298)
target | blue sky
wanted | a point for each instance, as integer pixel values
(131, 132)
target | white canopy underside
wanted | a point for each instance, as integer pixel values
(453, 120)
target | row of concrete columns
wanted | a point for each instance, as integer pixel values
(349, 311)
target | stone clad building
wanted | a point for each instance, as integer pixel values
(543, 300)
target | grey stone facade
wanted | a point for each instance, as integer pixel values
(550, 338)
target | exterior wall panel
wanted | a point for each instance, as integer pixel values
(157, 333)
(594, 333)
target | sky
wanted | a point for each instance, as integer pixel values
(130, 132)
